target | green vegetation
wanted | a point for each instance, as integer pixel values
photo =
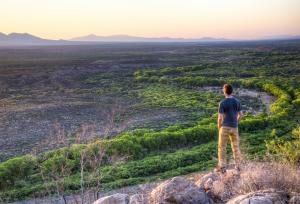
(286, 148)
(152, 154)
(168, 96)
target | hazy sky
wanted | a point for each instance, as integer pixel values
(63, 19)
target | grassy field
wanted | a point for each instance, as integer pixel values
(127, 114)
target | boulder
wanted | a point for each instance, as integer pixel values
(218, 186)
(117, 198)
(138, 199)
(261, 197)
(179, 190)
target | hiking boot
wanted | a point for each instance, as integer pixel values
(221, 170)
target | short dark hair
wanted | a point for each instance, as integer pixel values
(228, 89)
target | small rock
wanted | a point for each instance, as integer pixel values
(207, 180)
(208, 184)
(179, 191)
(261, 197)
(295, 199)
(138, 199)
(117, 198)
(232, 172)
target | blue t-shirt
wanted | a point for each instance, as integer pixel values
(230, 107)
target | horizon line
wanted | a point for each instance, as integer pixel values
(281, 36)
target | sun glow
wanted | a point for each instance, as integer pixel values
(64, 19)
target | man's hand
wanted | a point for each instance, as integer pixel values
(220, 120)
(240, 115)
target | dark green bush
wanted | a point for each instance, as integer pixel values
(18, 168)
(287, 151)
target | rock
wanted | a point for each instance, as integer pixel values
(179, 190)
(138, 199)
(232, 172)
(117, 198)
(261, 197)
(218, 186)
(208, 184)
(295, 199)
(207, 181)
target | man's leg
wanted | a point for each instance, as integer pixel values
(223, 138)
(235, 146)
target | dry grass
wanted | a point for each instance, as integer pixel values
(256, 176)
(260, 176)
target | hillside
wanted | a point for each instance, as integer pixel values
(141, 143)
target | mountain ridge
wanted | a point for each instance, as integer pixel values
(129, 38)
(17, 39)
(23, 39)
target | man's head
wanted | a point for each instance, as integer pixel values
(227, 89)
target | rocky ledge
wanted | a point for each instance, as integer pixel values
(214, 188)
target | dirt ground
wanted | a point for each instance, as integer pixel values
(264, 99)
(43, 90)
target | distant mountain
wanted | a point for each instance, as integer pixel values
(128, 38)
(2, 35)
(282, 37)
(16, 39)
(21, 39)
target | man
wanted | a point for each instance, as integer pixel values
(230, 113)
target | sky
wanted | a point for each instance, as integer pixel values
(233, 19)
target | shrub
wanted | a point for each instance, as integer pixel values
(287, 151)
(251, 124)
(15, 169)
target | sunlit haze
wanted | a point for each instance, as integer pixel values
(65, 19)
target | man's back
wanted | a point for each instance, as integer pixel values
(230, 107)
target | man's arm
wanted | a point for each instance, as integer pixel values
(220, 120)
(221, 115)
(240, 115)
